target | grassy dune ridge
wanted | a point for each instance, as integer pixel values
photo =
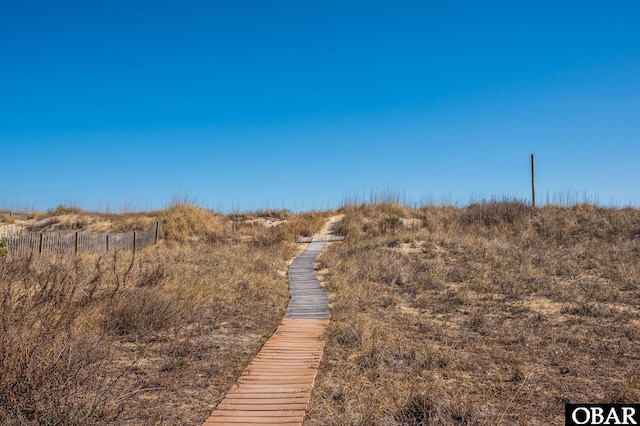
(155, 338)
(495, 313)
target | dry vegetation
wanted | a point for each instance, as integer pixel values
(155, 338)
(491, 314)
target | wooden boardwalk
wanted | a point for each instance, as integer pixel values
(276, 387)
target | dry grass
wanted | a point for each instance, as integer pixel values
(183, 223)
(153, 339)
(491, 314)
(7, 220)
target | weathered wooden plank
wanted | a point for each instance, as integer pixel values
(275, 388)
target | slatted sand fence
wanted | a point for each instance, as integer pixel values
(74, 242)
(276, 387)
(15, 214)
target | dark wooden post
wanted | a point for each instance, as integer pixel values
(76, 242)
(41, 242)
(533, 182)
(107, 242)
(134, 241)
(155, 241)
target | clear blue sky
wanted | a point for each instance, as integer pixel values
(296, 104)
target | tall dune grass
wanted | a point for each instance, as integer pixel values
(494, 313)
(152, 338)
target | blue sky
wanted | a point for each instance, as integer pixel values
(297, 104)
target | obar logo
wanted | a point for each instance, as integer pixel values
(602, 414)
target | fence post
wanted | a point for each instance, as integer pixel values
(134, 241)
(533, 183)
(76, 242)
(156, 237)
(41, 242)
(107, 242)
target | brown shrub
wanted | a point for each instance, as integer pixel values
(496, 213)
(140, 313)
(306, 224)
(185, 223)
(52, 372)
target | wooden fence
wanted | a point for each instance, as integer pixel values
(17, 215)
(69, 242)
